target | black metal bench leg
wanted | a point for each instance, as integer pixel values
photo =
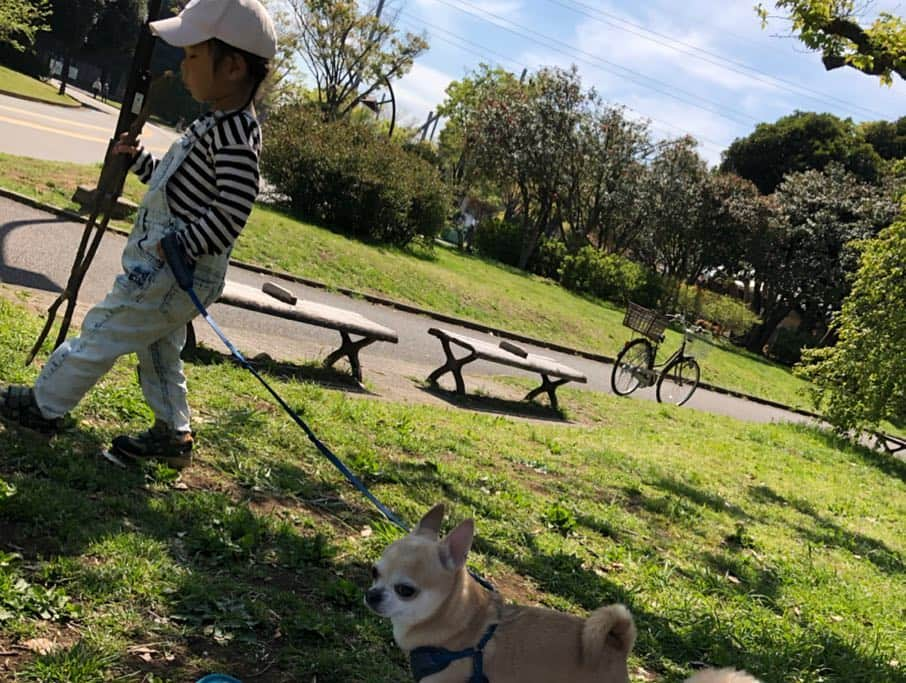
(453, 365)
(548, 386)
(350, 350)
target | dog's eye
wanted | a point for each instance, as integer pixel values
(404, 590)
(374, 573)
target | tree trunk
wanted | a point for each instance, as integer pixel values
(64, 77)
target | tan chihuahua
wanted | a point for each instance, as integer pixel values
(456, 631)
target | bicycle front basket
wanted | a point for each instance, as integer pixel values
(645, 321)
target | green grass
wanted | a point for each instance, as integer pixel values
(439, 279)
(772, 547)
(19, 84)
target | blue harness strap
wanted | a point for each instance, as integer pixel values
(427, 661)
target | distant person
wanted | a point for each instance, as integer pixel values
(96, 87)
(105, 90)
(199, 199)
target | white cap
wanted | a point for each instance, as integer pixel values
(244, 24)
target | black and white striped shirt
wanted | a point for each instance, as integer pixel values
(215, 187)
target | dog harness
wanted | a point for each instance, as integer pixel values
(427, 661)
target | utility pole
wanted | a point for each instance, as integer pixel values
(432, 119)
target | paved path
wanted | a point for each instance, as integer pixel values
(37, 248)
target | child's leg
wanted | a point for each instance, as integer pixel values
(160, 372)
(122, 323)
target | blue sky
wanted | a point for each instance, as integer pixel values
(700, 66)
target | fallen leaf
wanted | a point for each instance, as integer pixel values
(41, 646)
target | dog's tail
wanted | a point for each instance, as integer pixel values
(607, 628)
(722, 676)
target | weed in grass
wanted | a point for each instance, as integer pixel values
(560, 518)
(82, 663)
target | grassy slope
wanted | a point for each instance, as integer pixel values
(773, 547)
(17, 83)
(441, 280)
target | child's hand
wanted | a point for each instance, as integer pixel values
(126, 145)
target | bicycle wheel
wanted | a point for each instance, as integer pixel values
(681, 377)
(627, 370)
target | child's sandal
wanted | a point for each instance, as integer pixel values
(17, 404)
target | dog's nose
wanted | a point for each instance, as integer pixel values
(374, 596)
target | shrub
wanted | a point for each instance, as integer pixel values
(548, 258)
(500, 240)
(346, 176)
(729, 315)
(606, 276)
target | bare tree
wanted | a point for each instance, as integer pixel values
(350, 53)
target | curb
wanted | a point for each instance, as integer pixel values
(30, 98)
(408, 308)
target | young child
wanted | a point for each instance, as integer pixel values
(202, 190)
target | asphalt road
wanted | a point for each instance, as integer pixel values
(79, 135)
(37, 248)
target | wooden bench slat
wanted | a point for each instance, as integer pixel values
(322, 315)
(478, 349)
(532, 361)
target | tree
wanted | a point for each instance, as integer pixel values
(522, 135)
(21, 21)
(887, 137)
(799, 142)
(71, 22)
(861, 380)
(282, 84)
(832, 27)
(350, 53)
(602, 199)
(809, 253)
(111, 41)
(463, 98)
(739, 217)
(677, 238)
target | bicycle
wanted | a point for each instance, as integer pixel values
(676, 378)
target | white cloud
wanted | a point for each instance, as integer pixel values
(420, 91)
(661, 59)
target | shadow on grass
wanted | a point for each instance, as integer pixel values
(281, 370)
(258, 596)
(700, 497)
(885, 462)
(496, 406)
(217, 586)
(830, 534)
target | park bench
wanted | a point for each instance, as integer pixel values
(347, 323)
(505, 354)
(891, 444)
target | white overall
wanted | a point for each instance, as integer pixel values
(145, 313)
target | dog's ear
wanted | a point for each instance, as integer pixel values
(455, 547)
(429, 525)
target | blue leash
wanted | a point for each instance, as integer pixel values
(184, 274)
(353, 479)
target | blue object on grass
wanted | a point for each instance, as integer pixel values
(219, 678)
